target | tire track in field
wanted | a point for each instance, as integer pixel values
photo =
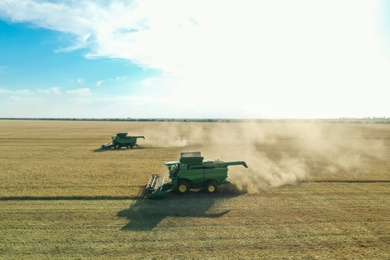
(349, 181)
(5, 198)
(78, 197)
(60, 228)
(266, 239)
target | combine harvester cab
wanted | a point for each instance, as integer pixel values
(190, 172)
(122, 140)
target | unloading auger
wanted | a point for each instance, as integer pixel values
(190, 172)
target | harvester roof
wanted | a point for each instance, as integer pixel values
(194, 160)
(122, 134)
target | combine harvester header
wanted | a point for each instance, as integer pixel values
(190, 172)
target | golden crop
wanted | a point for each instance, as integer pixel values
(312, 190)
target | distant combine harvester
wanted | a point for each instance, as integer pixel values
(122, 140)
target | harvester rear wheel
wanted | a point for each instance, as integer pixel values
(183, 187)
(211, 186)
(117, 146)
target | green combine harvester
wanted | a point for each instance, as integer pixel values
(190, 172)
(122, 140)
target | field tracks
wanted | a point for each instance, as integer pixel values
(62, 198)
(349, 181)
(67, 198)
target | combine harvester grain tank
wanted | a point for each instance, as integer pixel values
(191, 171)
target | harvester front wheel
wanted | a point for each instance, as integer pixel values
(183, 187)
(211, 187)
(117, 146)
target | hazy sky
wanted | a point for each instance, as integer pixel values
(195, 59)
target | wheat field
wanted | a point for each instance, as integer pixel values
(312, 190)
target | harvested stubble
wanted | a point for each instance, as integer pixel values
(64, 198)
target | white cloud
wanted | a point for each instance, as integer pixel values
(21, 92)
(29, 92)
(4, 91)
(120, 78)
(22, 100)
(81, 92)
(99, 83)
(53, 91)
(303, 58)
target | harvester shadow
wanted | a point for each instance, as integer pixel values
(145, 215)
(100, 150)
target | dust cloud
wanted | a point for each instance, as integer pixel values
(277, 153)
(174, 134)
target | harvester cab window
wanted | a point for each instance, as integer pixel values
(174, 169)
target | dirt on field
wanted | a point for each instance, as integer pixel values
(312, 190)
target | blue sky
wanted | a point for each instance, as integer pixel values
(194, 59)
